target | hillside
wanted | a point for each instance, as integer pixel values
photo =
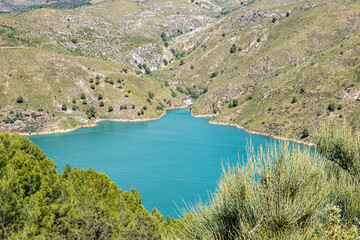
(292, 64)
(272, 67)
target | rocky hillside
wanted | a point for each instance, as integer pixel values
(275, 67)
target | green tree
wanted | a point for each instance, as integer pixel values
(19, 99)
(90, 112)
(182, 62)
(82, 96)
(233, 48)
(64, 107)
(110, 109)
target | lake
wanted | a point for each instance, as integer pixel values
(170, 161)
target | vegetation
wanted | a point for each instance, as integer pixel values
(38, 203)
(286, 192)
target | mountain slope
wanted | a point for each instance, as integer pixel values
(288, 65)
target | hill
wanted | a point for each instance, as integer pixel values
(275, 67)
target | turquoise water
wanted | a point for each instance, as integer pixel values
(173, 160)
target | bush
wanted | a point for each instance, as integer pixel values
(110, 109)
(133, 106)
(64, 107)
(233, 48)
(305, 133)
(214, 74)
(302, 89)
(84, 102)
(287, 14)
(97, 82)
(74, 107)
(182, 62)
(275, 195)
(273, 20)
(192, 66)
(90, 112)
(294, 99)
(107, 80)
(165, 62)
(19, 99)
(73, 100)
(92, 86)
(82, 96)
(258, 40)
(340, 106)
(331, 107)
(101, 104)
(147, 70)
(151, 95)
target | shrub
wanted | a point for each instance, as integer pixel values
(84, 102)
(100, 96)
(166, 83)
(90, 112)
(294, 99)
(273, 20)
(19, 99)
(92, 86)
(101, 104)
(97, 76)
(223, 34)
(91, 80)
(147, 70)
(33, 115)
(151, 95)
(126, 95)
(192, 66)
(182, 62)
(258, 40)
(107, 80)
(97, 82)
(305, 133)
(331, 107)
(166, 44)
(82, 96)
(64, 107)
(110, 109)
(302, 89)
(213, 74)
(133, 106)
(73, 100)
(340, 106)
(74, 107)
(233, 48)
(165, 62)
(287, 14)
(74, 40)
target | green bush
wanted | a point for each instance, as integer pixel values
(92, 86)
(100, 96)
(331, 107)
(110, 109)
(101, 104)
(165, 62)
(182, 62)
(305, 133)
(151, 95)
(19, 99)
(294, 99)
(64, 107)
(233, 48)
(214, 74)
(82, 96)
(90, 112)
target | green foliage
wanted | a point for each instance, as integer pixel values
(101, 104)
(273, 20)
(19, 99)
(100, 96)
(38, 203)
(90, 112)
(92, 86)
(182, 62)
(64, 107)
(214, 74)
(165, 62)
(192, 66)
(302, 89)
(331, 107)
(294, 99)
(233, 103)
(305, 133)
(340, 106)
(110, 109)
(82, 96)
(147, 70)
(151, 95)
(73, 100)
(233, 48)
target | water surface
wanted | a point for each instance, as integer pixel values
(175, 159)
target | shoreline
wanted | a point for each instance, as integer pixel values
(57, 131)
(252, 132)
(262, 134)
(95, 124)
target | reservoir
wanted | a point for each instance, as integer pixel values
(175, 160)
